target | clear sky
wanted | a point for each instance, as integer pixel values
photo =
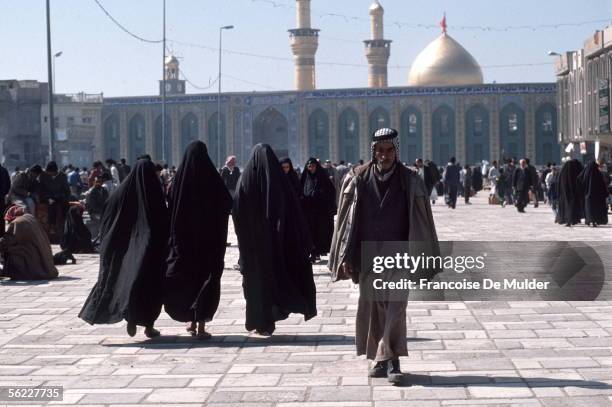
(98, 57)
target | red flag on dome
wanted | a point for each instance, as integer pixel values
(443, 24)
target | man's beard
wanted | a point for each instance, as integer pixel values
(382, 174)
(381, 170)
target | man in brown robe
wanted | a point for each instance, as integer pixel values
(26, 251)
(382, 201)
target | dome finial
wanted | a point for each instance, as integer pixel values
(443, 23)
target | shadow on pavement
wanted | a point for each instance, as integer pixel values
(493, 381)
(8, 282)
(242, 341)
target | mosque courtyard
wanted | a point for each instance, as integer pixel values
(461, 354)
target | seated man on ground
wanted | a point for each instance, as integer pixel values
(25, 248)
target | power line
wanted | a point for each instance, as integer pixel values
(251, 83)
(123, 28)
(196, 86)
(401, 25)
(331, 63)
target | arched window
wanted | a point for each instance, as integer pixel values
(443, 134)
(348, 136)
(111, 137)
(136, 137)
(318, 134)
(272, 128)
(189, 130)
(165, 155)
(547, 146)
(411, 135)
(216, 141)
(512, 132)
(379, 119)
(547, 121)
(476, 134)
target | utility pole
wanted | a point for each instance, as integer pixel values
(219, 159)
(163, 140)
(51, 120)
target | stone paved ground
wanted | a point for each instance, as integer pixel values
(499, 353)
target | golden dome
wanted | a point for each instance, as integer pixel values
(444, 62)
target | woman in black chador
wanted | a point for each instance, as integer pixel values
(134, 236)
(273, 240)
(77, 238)
(477, 179)
(200, 205)
(571, 198)
(593, 185)
(319, 204)
(431, 176)
(292, 176)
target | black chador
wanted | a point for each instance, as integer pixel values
(292, 177)
(319, 204)
(593, 185)
(273, 239)
(134, 236)
(77, 238)
(571, 198)
(522, 183)
(431, 176)
(200, 205)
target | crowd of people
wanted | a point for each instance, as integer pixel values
(574, 192)
(162, 232)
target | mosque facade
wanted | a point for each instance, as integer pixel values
(445, 110)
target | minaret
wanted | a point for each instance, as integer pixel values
(304, 43)
(377, 49)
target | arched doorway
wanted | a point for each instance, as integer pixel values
(348, 136)
(318, 135)
(111, 137)
(476, 134)
(443, 134)
(379, 119)
(547, 146)
(216, 143)
(136, 137)
(166, 154)
(189, 130)
(272, 128)
(411, 135)
(512, 132)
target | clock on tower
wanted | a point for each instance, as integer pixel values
(174, 85)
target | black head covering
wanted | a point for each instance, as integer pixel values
(52, 167)
(593, 185)
(200, 205)
(134, 236)
(319, 205)
(274, 244)
(77, 238)
(571, 208)
(477, 178)
(318, 183)
(292, 177)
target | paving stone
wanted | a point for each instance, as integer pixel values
(184, 395)
(506, 391)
